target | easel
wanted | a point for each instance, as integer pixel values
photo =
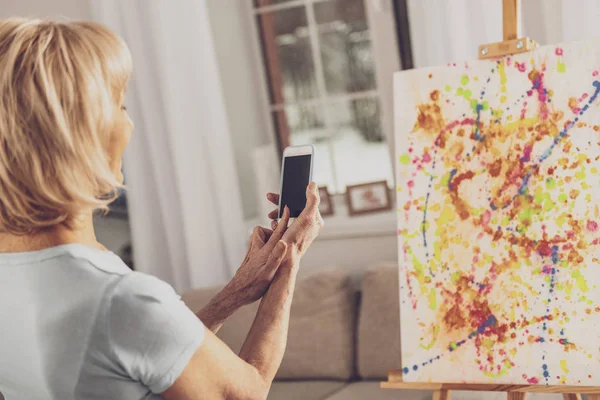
(513, 43)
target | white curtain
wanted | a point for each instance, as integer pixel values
(184, 202)
(444, 31)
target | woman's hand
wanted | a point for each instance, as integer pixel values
(265, 253)
(300, 235)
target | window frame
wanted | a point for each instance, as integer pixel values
(386, 62)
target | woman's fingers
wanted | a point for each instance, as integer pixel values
(280, 230)
(276, 255)
(274, 214)
(273, 198)
(311, 210)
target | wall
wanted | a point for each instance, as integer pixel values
(238, 55)
(75, 9)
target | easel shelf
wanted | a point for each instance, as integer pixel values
(442, 391)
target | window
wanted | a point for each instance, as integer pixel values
(322, 71)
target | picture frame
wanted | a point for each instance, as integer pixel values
(326, 207)
(368, 198)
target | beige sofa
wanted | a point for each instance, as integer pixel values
(342, 341)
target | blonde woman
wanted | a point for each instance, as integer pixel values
(75, 322)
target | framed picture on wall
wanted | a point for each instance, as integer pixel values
(368, 198)
(326, 205)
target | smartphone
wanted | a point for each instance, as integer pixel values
(296, 174)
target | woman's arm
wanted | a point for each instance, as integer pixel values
(220, 307)
(214, 372)
(249, 283)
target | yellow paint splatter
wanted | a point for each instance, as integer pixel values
(502, 72)
(561, 67)
(436, 330)
(563, 366)
(404, 159)
(447, 215)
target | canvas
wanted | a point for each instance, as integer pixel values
(498, 206)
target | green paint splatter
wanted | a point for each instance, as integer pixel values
(580, 280)
(474, 105)
(404, 159)
(580, 174)
(467, 94)
(448, 88)
(489, 343)
(464, 80)
(445, 179)
(550, 183)
(459, 91)
(561, 67)
(526, 215)
(453, 346)
(432, 299)
(563, 197)
(455, 277)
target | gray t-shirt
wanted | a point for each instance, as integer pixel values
(76, 323)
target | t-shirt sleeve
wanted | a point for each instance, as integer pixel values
(151, 332)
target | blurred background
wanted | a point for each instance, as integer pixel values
(220, 87)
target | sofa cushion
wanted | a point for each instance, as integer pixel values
(304, 390)
(321, 337)
(372, 390)
(378, 348)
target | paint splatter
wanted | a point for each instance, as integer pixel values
(499, 231)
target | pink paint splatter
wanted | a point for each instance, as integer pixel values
(520, 66)
(529, 93)
(527, 153)
(411, 184)
(592, 226)
(533, 380)
(595, 73)
(508, 61)
(486, 217)
(559, 51)
(410, 149)
(426, 158)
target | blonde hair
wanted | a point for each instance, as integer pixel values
(59, 86)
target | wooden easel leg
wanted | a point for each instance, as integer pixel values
(443, 394)
(516, 396)
(595, 396)
(571, 396)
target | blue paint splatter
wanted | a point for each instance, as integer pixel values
(452, 174)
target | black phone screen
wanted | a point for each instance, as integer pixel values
(296, 176)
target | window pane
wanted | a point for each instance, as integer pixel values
(288, 55)
(345, 46)
(359, 148)
(305, 125)
(264, 3)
